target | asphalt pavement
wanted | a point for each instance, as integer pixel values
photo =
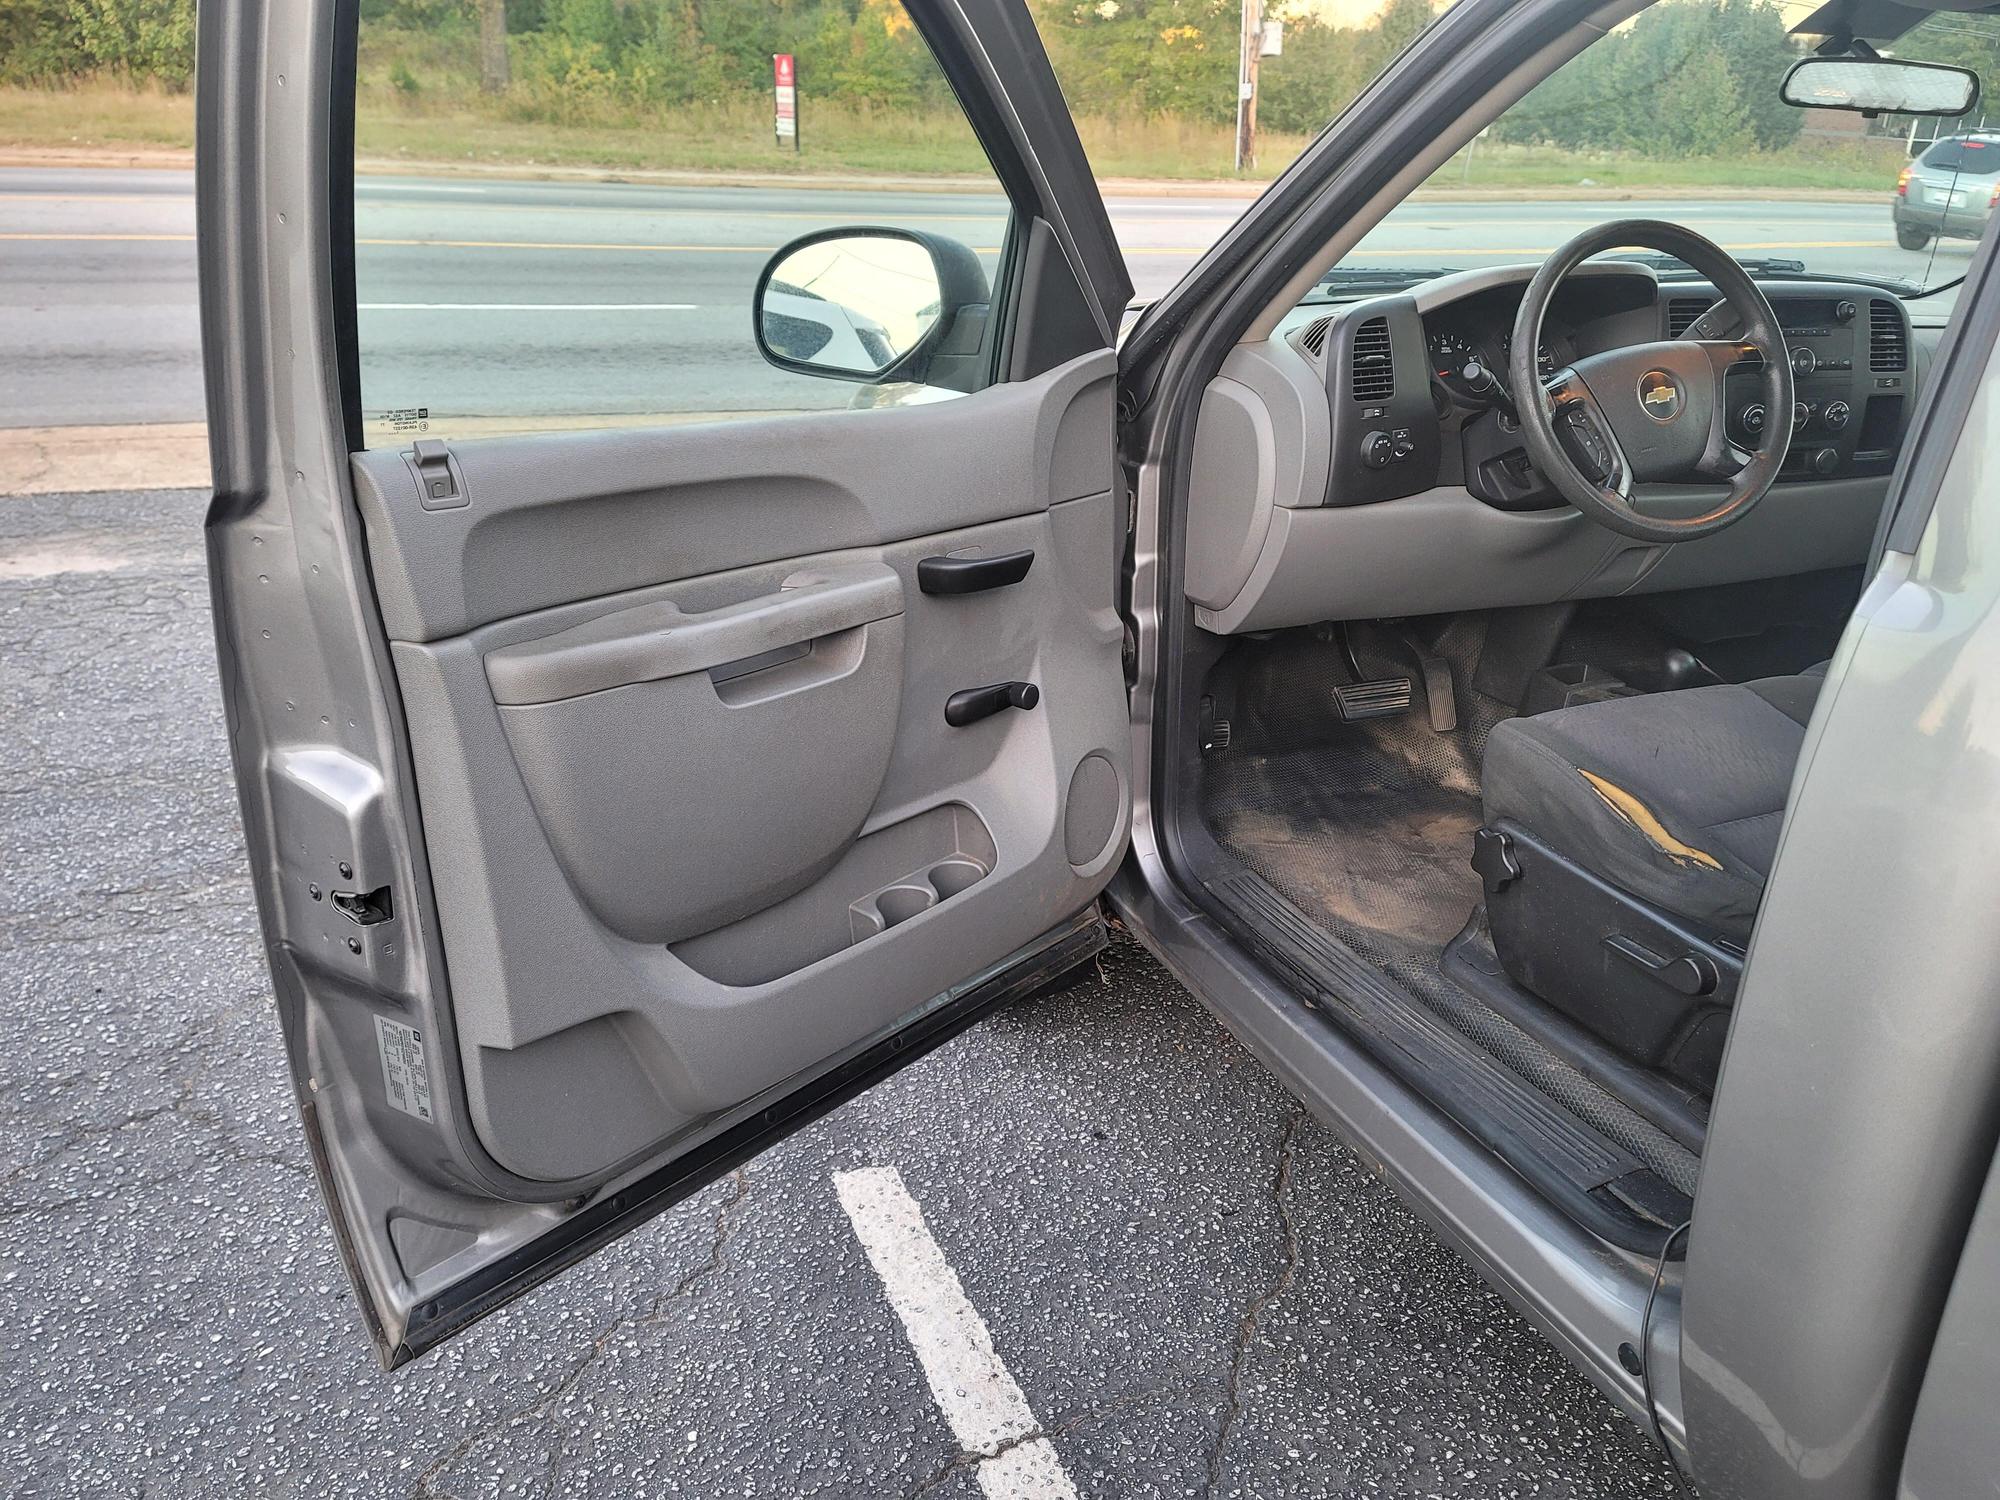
(575, 299)
(1199, 1291)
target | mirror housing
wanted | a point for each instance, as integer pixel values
(874, 304)
(1880, 86)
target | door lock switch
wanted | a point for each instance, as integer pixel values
(440, 485)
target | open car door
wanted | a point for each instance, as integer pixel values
(617, 801)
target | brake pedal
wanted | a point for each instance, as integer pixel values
(1380, 698)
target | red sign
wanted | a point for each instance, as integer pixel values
(784, 75)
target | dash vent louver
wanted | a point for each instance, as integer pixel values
(1681, 313)
(1888, 340)
(1373, 374)
(1312, 338)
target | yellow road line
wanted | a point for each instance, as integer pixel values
(1364, 253)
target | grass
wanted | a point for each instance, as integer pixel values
(455, 126)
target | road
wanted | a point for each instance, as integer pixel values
(1199, 1291)
(574, 300)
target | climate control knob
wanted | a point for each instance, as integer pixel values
(1378, 450)
(1752, 418)
(1801, 414)
(1837, 415)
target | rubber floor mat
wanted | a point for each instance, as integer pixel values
(1370, 834)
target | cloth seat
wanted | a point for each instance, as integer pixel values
(1676, 798)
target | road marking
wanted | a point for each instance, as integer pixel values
(1362, 254)
(10, 197)
(985, 1407)
(186, 239)
(526, 306)
(362, 190)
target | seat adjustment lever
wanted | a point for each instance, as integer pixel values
(1691, 974)
(970, 705)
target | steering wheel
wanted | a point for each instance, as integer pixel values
(1654, 412)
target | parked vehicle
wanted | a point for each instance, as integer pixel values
(1948, 191)
(1545, 710)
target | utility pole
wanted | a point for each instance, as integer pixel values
(1250, 49)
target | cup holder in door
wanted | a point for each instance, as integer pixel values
(950, 876)
(899, 903)
(913, 895)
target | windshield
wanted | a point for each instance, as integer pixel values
(1676, 115)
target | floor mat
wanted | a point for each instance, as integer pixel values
(1370, 834)
(1355, 836)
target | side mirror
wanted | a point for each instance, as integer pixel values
(869, 303)
(1880, 86)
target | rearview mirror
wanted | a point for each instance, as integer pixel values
(865, 303)
(1880, 86)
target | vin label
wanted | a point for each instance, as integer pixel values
(405, 1074)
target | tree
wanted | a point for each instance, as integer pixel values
(493, 73)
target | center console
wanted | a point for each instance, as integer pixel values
(1850, 356)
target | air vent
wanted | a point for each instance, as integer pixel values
(1312, 338)
(1373, 377)
(1888, 342)
(1681, 313)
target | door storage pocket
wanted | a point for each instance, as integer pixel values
(681, 803)
(893, 876)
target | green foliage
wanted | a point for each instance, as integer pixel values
(143, 41)
(1688, 78)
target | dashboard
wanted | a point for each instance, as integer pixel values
(1363, 460)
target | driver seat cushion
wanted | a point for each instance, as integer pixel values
(1676, 798)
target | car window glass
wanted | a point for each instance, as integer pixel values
(1677, 115)
(1186, 108)
(563, 208)
(1972, 158)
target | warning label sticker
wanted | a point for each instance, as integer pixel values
(407, 418)
(405, 1074)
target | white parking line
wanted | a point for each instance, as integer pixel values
(980, 1400)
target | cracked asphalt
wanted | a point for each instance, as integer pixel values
(1200, 1291)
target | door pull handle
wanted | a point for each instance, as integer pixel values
(971, 575)
(973, 704)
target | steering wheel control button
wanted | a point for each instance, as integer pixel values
(1836, 416)
(1660, 396)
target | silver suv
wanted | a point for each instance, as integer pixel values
(1948, 191)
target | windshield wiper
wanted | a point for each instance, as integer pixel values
(1344, 282)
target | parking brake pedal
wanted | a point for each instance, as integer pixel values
(1381, 698)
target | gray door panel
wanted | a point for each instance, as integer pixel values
(603, 814)
(700, 884)
(553, 519)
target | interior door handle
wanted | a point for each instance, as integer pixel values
(970, 575)
(973, 704)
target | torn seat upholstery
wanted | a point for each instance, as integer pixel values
(1675, 798)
